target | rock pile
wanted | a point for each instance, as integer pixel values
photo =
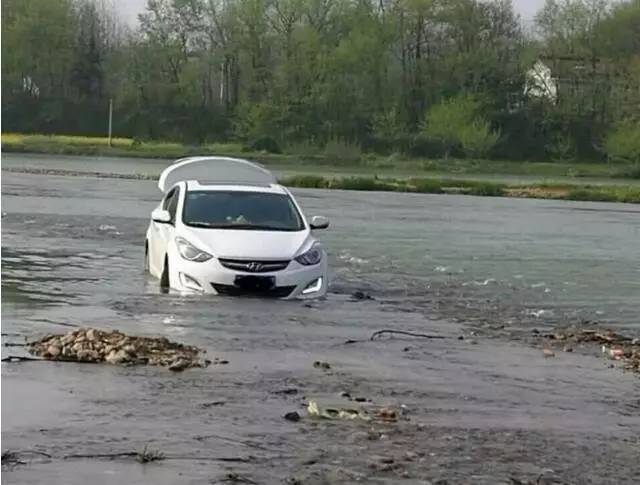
(114, 347)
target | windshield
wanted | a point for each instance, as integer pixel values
(241, 210)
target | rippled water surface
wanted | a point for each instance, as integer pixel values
(80, 240)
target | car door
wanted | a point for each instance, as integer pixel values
(164, 232)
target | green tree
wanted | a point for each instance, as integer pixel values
(326, 72)
(457, 122)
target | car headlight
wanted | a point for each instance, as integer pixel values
(311, 257)
(191, 253)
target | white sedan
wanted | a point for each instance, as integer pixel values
(225, 226)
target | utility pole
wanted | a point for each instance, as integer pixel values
(110, 118)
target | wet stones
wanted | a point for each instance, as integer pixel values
(92, 345)
(387, 414)
(117, 357)
(321, 365)
(360, 296)
(179, 365)
(292, 416)
(52, 351)
(383, 464)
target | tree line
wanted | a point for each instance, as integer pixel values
(430, 78)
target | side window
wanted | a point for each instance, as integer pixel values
(167, 198)
(172, 203)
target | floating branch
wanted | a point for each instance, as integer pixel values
(409, 334)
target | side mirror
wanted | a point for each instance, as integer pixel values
(160, 215)
(319, 222)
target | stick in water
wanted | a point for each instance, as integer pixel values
(403, 332)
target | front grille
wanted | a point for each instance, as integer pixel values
(253, 266)
(275, 292)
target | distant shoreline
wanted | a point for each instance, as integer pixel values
(396, 176)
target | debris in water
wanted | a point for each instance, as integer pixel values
(613, 345)
(292, 416)
(235, 478)
(147, 455)
(387, 414)
(114, 347)
(616, 353)
(410, 456)
(375, 335)
(179, 365)
(287, 391)
(321, 365)
(213, 403)
(332, 413)
(361, 295)
(548, 353)
(11, 458)
(20, 358)
(383, 464)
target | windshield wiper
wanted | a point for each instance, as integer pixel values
(250, 227)
(254, 227)
(202, 224)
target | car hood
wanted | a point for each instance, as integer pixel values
(248, 244)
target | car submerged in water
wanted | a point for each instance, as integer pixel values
(225, 226)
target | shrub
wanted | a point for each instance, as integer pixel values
(487, 189)
(306, 181)
(264, 143)
(342, 150)
(623, 141)
(561, 148)
(304, 147)
(456, 122)
(256, 120)
(591, 195)
(477, 139)
(632, 173)
(360, 183)
(430, 186)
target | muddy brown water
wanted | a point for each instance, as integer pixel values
(484, 410)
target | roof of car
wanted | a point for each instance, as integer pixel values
(234, 186)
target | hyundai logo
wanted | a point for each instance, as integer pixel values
(253, 266)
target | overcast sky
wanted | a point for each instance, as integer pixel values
(129, 9)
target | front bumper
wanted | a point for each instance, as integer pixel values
(211, 277)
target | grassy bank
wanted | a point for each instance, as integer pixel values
(301, 156)
(399, 175)
(603, 193)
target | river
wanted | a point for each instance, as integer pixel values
(72, 254)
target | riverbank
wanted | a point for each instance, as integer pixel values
(568, 181)
(560, 191)
(556, 191)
